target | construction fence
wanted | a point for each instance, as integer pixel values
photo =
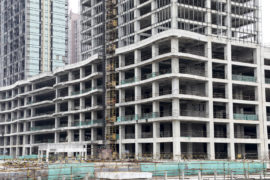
(176, 170)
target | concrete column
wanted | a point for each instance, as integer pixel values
(138, 109)
(174, 13)
(156, 145)
(155, 89)
(121, 133)
(138, 150)
(156, 108)
(137, 56)
(175, 107)
(210, 125)
(81, 135)
(175, 86)
(136, 23)
(175, 46)
(121, 76)
(137, 73)
(208, 16)
(138, 131)
(228, 19)
(175, 65)
(231, 151)
(154, 50)
(70, 135)
(93, 134)
(56, 137)
(231, 148)
(154, 18)
(176, 140)
(156, 150)
(211, 150)
(82, 73)
(122, 60)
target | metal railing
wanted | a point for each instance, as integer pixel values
(127, 118)
(85, 90)
(243, 78)
(253, 117)
(149, 115)
(129, 80)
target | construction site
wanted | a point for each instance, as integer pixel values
(174, 89)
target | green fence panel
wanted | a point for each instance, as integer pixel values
(206, 167)
(77, 170)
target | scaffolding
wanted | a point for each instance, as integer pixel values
(111, 35)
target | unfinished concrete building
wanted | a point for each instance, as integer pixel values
(33, 38)
(64, 107)
(189, 80)
(178, 80)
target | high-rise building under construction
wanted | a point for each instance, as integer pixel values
(33, 38)
(160, 79)
(182, 77)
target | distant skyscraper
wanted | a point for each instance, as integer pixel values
(33, 38)
(74, 38)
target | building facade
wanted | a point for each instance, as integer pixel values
(33, 38)
(60, 107)
(177, 80)
(92, 27)
(74, 41)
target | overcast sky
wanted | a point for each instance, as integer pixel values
(74, 5)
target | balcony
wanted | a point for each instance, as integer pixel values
(243, 78)
(155, 74)
(252, 117)
(129, 80)
(85, 90)
(127, 118)
(149, 115)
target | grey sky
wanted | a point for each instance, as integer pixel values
(74, 5)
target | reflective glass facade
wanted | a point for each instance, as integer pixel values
(38, 27)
